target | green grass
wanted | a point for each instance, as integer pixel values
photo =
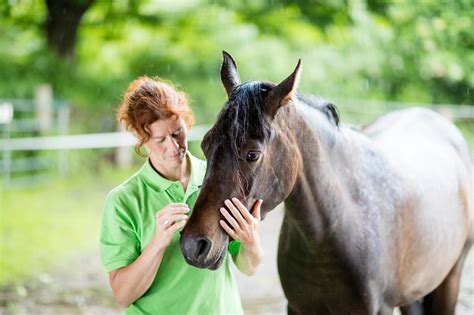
(41, 227)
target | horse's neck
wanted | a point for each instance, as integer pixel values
(336, 180)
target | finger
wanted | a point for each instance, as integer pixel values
(230, 219)
(176, 217)
(256, 209)
(165, 222)
(177, 211)
(173, 210)
(228, 229)
(167, 209)
(176, 226)
(237, 216)
(177, 204)
(174, 206)
(243, 210)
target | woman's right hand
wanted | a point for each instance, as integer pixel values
(130, 282)
(168, 220)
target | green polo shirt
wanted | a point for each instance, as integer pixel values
(128, 225)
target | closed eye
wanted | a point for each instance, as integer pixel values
(177, 132)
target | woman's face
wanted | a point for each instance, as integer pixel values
(168, 143)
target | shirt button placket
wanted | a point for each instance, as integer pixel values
(177, 192)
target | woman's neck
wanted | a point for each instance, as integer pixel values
(179, 173)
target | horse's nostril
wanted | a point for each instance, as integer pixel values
(203, 247)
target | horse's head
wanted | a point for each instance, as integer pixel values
(249, 157)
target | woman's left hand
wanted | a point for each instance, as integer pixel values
(242, 225)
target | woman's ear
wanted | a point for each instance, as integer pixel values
(146, 148)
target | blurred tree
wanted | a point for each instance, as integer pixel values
(406, 51)
(431, 52)
(62, 23)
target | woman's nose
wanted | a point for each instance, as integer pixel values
(174, 143)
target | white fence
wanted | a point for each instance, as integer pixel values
(62, 143)
(22, 118)
(84, 141)
(124, 140)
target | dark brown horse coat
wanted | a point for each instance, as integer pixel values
(374, 219)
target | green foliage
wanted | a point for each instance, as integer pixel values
(430, 52)
(405, 51)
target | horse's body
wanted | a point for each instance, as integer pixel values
(386, 221)
(374, 219)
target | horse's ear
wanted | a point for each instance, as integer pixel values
(283, 93)
(229, 75)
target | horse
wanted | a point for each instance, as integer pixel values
(375, 219)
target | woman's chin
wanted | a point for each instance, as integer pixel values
(176, 161)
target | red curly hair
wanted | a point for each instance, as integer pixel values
(148, 100)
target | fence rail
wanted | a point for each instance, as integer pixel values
(84, 141)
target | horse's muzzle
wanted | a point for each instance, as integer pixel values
(197, 252)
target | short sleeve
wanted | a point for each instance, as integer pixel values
(119, 243)
(233, 247)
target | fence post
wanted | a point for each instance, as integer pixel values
(6, 116)
(123, 156)
(43, 103)
(63, 127)
(6, 157)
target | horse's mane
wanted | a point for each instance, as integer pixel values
(329, 109)
(243, 117)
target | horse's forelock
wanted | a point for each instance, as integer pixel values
(241, 118)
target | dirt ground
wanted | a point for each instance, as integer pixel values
(83, 288)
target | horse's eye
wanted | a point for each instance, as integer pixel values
(252, 156)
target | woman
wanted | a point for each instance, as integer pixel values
(142, 217)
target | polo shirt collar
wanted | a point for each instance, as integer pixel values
(198, 170)
(160, 183)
